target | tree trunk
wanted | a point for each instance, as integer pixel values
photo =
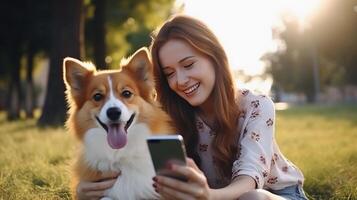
(67, 38)
(99, 34)
(14, 90)
(29, 86)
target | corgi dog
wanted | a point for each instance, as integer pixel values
(111, 113)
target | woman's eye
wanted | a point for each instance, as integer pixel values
(189, 65)
(97, 97)
(169, 74)
(126, 94)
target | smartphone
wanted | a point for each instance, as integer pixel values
(166, 150)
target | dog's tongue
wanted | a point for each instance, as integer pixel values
(116, 136)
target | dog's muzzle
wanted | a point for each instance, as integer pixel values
(116, 129)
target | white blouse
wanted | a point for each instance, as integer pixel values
(259, 155)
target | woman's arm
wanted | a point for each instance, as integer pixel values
(197, 186)
(96, 189)
(241, 185)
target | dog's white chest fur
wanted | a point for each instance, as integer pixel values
(133, 160)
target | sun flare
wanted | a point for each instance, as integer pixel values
(301, 9)
(245, 27)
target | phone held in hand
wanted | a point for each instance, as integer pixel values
(166, 150)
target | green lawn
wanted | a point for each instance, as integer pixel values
(321, 140)
(34, 162)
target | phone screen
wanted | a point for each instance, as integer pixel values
(166, 150)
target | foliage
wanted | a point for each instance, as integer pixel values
(320, 140)
(327, 43)
(135, 27)
(26, 25)
(129, 25)
(292, 66)
(54, 29)
(335, 30)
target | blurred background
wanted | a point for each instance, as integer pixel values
(303, 53)
(298, 51)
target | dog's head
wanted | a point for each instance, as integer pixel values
(109, 99)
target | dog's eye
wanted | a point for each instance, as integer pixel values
(126, 94)
(97, 97)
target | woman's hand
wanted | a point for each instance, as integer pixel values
(95, 190)
(196, 187)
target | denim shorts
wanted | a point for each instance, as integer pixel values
(294, 192)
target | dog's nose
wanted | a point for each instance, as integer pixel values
(113, 113)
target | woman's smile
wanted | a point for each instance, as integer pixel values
(191, 90)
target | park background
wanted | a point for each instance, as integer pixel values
(301, 53)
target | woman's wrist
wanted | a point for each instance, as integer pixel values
(213, 194)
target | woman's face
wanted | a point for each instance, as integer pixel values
(189, 73)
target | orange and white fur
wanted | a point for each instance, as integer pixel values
(111, 114)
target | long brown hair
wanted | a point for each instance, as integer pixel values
(226, 110)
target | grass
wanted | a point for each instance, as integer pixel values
(33, 162)
(321, 140)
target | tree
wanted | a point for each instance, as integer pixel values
(67, 35)
(36, 41)
(292, 66)
(12, 39)
(325, 53)
(335, 30)
(25, 33)
(29, 90)
(129, 24)
(117, 28)
(100, 48)
(27, 25)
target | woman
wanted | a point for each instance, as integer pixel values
(229, 134)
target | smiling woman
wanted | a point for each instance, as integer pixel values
(229, 133)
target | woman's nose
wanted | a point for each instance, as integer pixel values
(182, 79)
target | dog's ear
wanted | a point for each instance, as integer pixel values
(75, 75)
(140, 64)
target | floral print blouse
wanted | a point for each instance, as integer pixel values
(259, 155)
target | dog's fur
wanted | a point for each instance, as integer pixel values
(102, 104)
